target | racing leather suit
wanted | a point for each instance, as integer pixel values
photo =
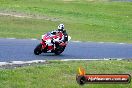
(63, 38)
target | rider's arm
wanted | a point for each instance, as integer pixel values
(54, 32)
(65, 36)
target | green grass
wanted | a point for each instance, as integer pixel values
(84, 20)
(62, 74)
(23, 28)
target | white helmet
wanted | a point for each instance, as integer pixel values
(61, 27)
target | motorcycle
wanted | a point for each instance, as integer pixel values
(47, 46)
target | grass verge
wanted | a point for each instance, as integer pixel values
(58, 74)
(85, 20)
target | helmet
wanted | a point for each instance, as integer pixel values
(61, 27)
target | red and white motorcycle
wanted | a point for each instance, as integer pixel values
(46, 45)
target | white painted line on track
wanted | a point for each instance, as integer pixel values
(34, 39)
(10, 38)
(76, 41)
(82, 59)
(17, 62)
(21, 62)
(91, 59)
(3, 63)
(43, 61)
(36, 61)
(121, 43)
(101, 42)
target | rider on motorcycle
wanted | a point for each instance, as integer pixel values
(63, 38)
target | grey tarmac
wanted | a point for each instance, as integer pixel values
(22, 50)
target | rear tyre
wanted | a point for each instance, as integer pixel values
(59, 50)
(38, 50)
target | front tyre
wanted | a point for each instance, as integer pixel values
(38, 49)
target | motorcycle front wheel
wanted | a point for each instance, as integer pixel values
(38, 50)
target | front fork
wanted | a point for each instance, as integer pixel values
(43, 44)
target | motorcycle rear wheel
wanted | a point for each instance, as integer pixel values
(59, 50)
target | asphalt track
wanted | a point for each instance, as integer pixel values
(22, 50)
